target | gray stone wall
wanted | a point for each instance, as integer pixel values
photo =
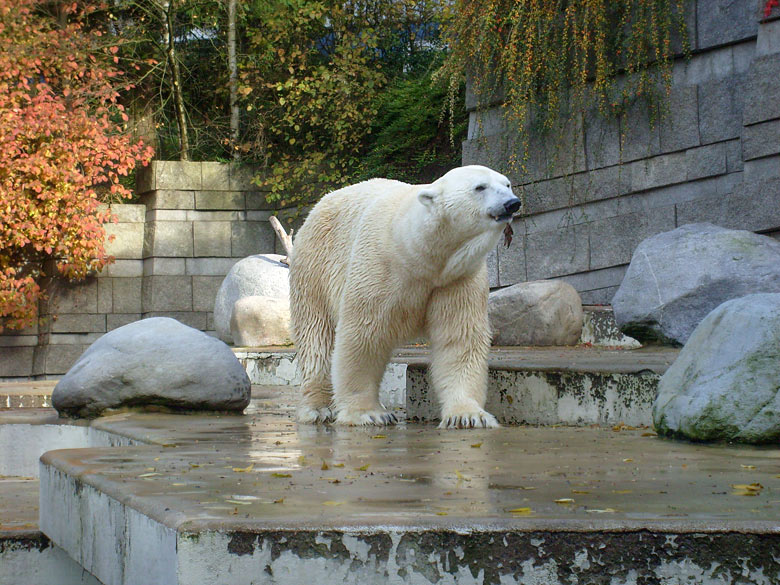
(594, 191)
(195, 220)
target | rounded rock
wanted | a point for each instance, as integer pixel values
(676, 278)
(157, 361)
(542, 312)
(724, 384)
(259, 275)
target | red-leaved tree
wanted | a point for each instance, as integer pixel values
(64, 149)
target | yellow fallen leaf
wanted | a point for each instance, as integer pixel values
(441, 513)
(178, 483)
(580, 491)
(623, 427)
(520, 511)
(193, 465)
(279, 501)
(622, 491)
(459, 475)
(333, 480)
(564, 501)
(244, 469)
(363, 467)
(281, 475)
(379, 436)
(331, 503)
(649, 434)
(748, 466)
(627, 460)
(156, 459)
(301, 460)
(149, 469)
(476, 445)
(324, 466)
(148, 474)
(338, 465)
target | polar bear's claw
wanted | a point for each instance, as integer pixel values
(372, 417)
(478, 420)
(309, 415)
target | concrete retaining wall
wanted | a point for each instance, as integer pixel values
(194, 221)
(593, 194)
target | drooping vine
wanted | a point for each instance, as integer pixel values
(550, 60)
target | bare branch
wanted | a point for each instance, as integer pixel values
(284, 237)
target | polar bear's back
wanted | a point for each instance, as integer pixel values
(323, 246)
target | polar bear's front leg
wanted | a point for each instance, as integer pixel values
(459, 332)
(359, 361)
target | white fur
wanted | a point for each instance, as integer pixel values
(379, 263)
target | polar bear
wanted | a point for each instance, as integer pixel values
(382, 262)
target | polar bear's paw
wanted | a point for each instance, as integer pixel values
(480, 419)
(309, 415)
(379, 417)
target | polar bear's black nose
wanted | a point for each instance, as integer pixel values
(512, 205)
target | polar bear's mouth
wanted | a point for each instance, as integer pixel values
(503, 217)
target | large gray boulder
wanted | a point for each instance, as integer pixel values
(260, 321)
(677, 277)
(542, 312)
(725, 384)
(260, 275)
(156, 361)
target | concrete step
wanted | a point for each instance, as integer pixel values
(260, 499)
(578, 385)
(553, 386)
(33, 394)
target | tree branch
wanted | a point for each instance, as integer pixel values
(284, 237)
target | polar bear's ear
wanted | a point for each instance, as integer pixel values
(427, 194)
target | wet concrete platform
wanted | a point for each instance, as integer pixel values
(24, 394)
(260, 499)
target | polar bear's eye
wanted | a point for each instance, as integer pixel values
(481, 187)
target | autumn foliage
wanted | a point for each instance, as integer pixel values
(63, 150)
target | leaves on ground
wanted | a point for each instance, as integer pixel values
(281, 475)
(246, 469)
(746, 489)
(621, 426)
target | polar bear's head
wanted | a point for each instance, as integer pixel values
(472, 192)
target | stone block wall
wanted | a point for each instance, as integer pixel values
(77, 314)
(195, 220)
(599, 187)
(201, 218)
